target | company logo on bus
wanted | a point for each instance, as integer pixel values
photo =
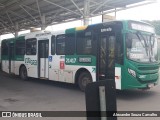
(106, 29)
(30, 61)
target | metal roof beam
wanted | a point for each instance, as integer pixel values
(30, 8)
(102, 4)
(6, 26)
(39, 11)
(4, 17)
(57, 11)
(5, 23)
(96, 3)
(1, 4)
(61, 7)
(20, 16)
(124, 8)
(29, 14)
(77, 7)
(9, 18)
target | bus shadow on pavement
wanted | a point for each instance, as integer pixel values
(42, 82)
(58, 84)
(135, 94)
(121, 94)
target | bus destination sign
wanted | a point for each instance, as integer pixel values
(142, 27)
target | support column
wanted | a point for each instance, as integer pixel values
(43, 19)
(115, 13)
(86, 12)
(16, 29)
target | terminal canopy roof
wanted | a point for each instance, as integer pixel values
(16, 15)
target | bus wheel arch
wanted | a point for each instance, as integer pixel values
(82, 78)
(23, 72)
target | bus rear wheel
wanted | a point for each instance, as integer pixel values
(23, 73)
(83, 79)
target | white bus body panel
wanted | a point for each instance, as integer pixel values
(118, 77)
(69, 76)
(57, 70)
(52, 72)
(12, 66)
(17, 66)
(5, 66)
(32, 69)
(54, 68)
(44, 68)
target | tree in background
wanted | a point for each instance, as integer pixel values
(156, 24)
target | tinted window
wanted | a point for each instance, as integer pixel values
(70, 44)
(31, 46)
(4, 48)
(43, 48)
(119, 48)
(53, 45)
(60, 45)
(20, 47)
(84, 42)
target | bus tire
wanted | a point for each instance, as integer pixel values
(83, 79)
(23, 73)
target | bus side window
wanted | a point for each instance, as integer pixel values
(31, 46)
(4, 48)
(53, 45)
(119, 47)
(20, 47)
(60, 44)
(84, 42)
(88, 45)
(70, 44)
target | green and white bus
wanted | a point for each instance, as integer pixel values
(87, 54)
(158, 39)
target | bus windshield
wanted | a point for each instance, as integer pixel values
(141, 47)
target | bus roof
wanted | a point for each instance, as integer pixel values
(71, 30)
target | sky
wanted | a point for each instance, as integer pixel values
(146, 12)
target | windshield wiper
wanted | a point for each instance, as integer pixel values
(145, 43)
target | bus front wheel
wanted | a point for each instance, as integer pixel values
(23, 73)
(83, 80)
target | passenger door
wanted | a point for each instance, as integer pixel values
(107, 55)
(31, 61)
(43, 50)
(11, 58)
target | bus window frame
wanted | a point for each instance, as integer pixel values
(53, 40)
(83, 39)
(17, 47)
(57, 40)
(4, 49)
(70, 44)
(31, 39)
(119, 39)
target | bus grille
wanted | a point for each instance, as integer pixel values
(148, 81)
(148, 68)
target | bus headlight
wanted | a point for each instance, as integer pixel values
(132, 72)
